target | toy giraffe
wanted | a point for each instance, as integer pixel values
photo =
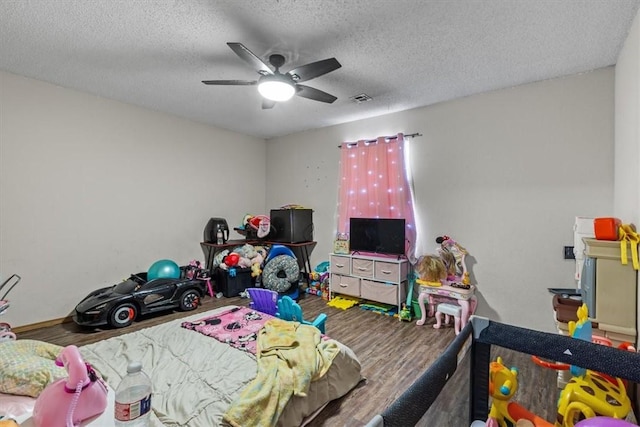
(590, 393)
(503, 384)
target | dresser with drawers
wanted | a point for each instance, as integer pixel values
(374, 278)
(609, 288)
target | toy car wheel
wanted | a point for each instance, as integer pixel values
(123, 315)
(189, 300)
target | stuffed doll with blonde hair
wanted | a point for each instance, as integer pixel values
(431, 270)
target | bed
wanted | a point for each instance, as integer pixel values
(199, 374)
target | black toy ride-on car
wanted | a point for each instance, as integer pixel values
(119, 305)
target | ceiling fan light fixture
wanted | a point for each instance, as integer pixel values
(276, 88)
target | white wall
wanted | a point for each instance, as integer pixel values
(92, 190)
(627, 131)
(627, 128)
(504, 173)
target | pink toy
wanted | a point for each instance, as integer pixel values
(67, 402)
(604, 422)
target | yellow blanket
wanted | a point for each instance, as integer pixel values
(290, 355)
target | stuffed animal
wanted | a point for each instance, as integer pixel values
(247, 251)
(244, 262)
(262, 251)
(229, 261)
(258, 259)
(262, 225)
(219, 258)
(256, 270)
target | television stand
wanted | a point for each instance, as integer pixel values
(370, 277)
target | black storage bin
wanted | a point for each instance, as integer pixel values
(291, 225)
(232, 286)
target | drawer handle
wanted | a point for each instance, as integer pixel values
(385, 271)
(339, 265)
(344, 285)
(362, 269)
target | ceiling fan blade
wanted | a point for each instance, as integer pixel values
(267, 104)
(230, 82)
(252, 59)
(313, 70)
(315, 94)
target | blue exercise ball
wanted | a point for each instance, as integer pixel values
(163, 269)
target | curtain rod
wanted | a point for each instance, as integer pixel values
(409, 135)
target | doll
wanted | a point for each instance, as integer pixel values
(431, 271)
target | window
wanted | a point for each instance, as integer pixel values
(375, 183)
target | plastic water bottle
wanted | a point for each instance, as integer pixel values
(219, 236)
(133, 398)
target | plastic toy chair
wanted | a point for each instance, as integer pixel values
(263, 300)
(290, 310)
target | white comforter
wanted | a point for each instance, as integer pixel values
(195, 377)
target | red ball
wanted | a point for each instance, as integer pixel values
(232, 259)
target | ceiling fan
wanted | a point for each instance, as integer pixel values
(275, 86)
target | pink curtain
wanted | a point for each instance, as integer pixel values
(374, 184)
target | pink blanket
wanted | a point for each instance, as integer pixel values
(237, 327)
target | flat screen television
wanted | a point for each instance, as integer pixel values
(377, 235)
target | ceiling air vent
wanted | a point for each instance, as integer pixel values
(363, 97)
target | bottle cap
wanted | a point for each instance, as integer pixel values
(134, 367)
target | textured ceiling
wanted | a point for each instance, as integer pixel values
(403, 53)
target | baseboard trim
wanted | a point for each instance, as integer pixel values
(44, 324)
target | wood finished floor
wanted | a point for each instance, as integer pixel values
(392, 353)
